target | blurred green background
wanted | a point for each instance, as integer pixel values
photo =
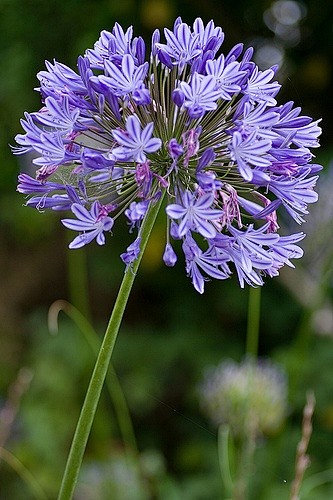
(170, 335)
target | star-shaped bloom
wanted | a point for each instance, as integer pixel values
(295, 193)
(134, 142)
(258, 118)
(200, 95)
(111, 46)
(124, 80)
(58, 114)
(209, 36)
(260, 88)
(182, 45)
(198, 261)
(92, 224)
(196, 213)
(249, 151)
(54, 150)
(228, 76)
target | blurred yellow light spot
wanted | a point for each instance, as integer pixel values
(153, 254)
(155, 13)
(317, 72)
(327, 417)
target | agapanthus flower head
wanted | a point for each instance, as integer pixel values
(187, 121)
(249, 396)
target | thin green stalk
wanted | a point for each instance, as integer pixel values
(253, 322)
(24, 474)
(98, 377)
(112, 382)
(245, 464)
(225, 449)
(318, 479)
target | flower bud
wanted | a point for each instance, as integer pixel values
(169, 256)
(178, 97)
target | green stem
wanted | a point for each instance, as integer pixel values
(112, 382)
(225, 447)
(245, 464)
(253, 322)
(24, 473)
(98, 377)
(318, 479)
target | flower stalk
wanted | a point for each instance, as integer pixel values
(113, 385)
(253, 322)
(89, 407)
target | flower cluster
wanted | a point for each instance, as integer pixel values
(202, 128)
(249, 397)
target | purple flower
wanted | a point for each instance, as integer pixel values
(255, 251)
(134, 142)
(208, 156)
(209, 36)
(54, 202)
(207, 179)
(123, 80)
(200, 95)
(260, 88)
(136, 212)
(169, 256)
(198, 261)
(175, 149)
(182, 45)
(60, 79)
(58, 114)
(111, 46)
(132, 252)
(27, 141)
(284, 250)
(29, 185)
(268, 213)
(92, 224)
(53, 149)
(249, 152)
(95, 160)
(295, 193)
(252, 243)
(227, 76)
(201, 127)
(300, 130)
(259, 119)
(196, 214)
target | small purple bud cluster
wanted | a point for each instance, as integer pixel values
(203, 128)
